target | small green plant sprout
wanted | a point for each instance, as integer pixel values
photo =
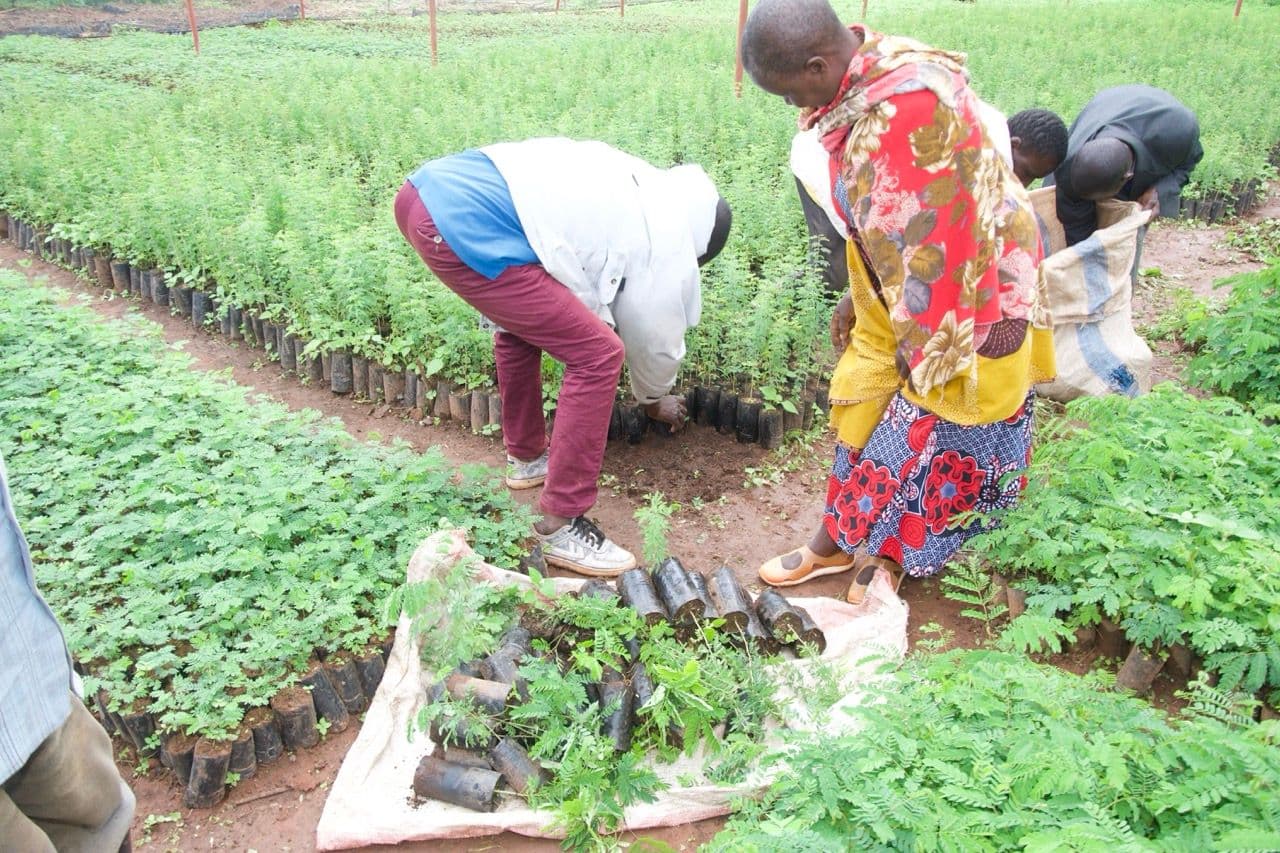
(322, 726)
(774, 399)
(934, 638)
(969, 582)
(654, 517)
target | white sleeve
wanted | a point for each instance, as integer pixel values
(652, 311)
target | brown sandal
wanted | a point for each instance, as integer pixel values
(811, 566)
(865, 572)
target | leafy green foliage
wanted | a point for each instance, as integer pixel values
(273, 179)
(980, 750)
(195, 546)
(967, 582)
(1160, 513)
(1260, 239)
(1239, 347)
(654, 517)
(708, 693)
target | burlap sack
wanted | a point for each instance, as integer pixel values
(1090, 294)
(370, 802)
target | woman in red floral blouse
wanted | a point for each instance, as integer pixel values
(931, 399)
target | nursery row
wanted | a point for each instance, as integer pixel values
(202, 551)
(1155, 519)
(1010, 755)
(765, 419)
(263, 170)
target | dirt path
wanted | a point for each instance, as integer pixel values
(721, 521)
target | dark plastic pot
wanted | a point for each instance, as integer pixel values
(615, 424)
(120, 275)
(1139, 670)
(102, 270)
(732, 602)
(634, 424)
(341, 669)
(370, 668)
(208, 783)
(679, 595)
(296, 715)
(268, 745)
(777, 615)
(176, 753)
(392, 386)
(329, 705)
(728, 412)
(340, 378)
(410, 389)
(699, 583)
(617, 694)
(375, 382)
(200, 308)
(159, 287)
(637, 591)
(810, 634)
(244, 759)
(495, 409)
(470, 787)
(460, 406)
(289, 353)
(181, 299)
(479, 411)
(771, 429)
(359, 377)
(747, 427)
(442, 408)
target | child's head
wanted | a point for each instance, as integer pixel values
(1038, 139)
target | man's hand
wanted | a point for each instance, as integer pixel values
(842, 322)
(669, 410)
(1150, 200)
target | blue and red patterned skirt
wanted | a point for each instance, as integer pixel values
(905, 494)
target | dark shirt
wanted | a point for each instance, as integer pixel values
(1160, 130)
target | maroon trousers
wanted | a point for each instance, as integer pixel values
(539, 315)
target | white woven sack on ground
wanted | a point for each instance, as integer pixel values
(371, 799)
(1091, 297)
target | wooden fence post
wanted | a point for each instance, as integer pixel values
(431, 7)
(195, 30)
(737, 48)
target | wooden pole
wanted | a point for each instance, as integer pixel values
(195, 30)
(302, 9)
(557, 5)
(864, 11)
(622, 8)
(737, 48)
(431, 7)
(1239, 3)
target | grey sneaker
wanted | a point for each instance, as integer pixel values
(526, 475)
(582, 547)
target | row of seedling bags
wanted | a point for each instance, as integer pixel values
(470, 762)
(745, 417)
(337, 686)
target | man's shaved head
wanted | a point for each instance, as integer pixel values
(798, 50)
(781, 35)
(1101, 168)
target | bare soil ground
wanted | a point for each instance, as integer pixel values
(740, 505)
